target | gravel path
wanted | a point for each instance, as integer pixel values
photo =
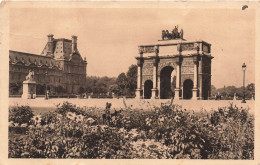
(195, 105)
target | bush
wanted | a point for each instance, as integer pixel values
(68, 107)
(20, 114)
(164, 132)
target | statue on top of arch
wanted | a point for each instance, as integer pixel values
(166, 35)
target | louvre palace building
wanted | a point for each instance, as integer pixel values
(59, 68)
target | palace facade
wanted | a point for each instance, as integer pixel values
(59, 68)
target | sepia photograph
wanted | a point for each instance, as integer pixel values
(130, 81)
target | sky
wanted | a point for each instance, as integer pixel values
(109, 37)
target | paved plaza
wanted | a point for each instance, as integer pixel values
(145, 104)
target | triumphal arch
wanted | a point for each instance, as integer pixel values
(174, 67)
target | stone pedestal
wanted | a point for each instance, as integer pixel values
(138, 93)
(194, 94)
(235, 97)
(177, 94)
(29, 89)
(154, 93)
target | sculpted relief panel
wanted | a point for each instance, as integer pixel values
(187, 47)
(147, 49)
(147, 77)
(148, 69)
(188, 62)
(187, 69)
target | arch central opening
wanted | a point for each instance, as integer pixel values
(167, 82)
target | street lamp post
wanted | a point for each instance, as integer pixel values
(46, 97)
(244, 94)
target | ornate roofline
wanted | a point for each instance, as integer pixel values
(24, 53)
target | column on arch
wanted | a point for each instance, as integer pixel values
(195, 78)
(155, 63)
(178, 79)
(178, 74)
(138, 92)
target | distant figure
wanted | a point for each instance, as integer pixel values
(47, 95)
(113, 95)
(218, 96)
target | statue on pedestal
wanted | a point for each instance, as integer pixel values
(29, 86)
(30, 76)
(235, 97)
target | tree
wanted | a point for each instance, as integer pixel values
(131, 76)
(81, 90)
(251, 89)
(231, 90)
(214, 91)
(15, 88)
(59, 89)
(99, 85)
(122, 83)
(40, 89)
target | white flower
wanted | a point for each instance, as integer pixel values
(79, 118)
(11, 124)
(16, 124)
(90, 120)
(37, 119)
(51, 126)
(103, 127)
(59, 116)
(148, 121)
(121, 130)
(133, 132)
(161, 119)
(94, 129)
(24, 125)
(71, 115)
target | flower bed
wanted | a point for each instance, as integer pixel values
(164, 133)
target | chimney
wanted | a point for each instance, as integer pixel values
(50, 45)
(74, 44)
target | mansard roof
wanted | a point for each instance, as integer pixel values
(62, 48)
(28, 59)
